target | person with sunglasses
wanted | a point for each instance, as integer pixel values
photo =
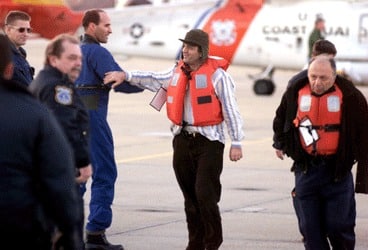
(17, 29)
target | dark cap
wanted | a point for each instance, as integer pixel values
(319, 19)
(322, 46)
(199, 38)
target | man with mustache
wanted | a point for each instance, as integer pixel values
(54, 86)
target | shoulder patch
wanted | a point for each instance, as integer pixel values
(63, 95)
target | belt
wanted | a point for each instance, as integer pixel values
(323, 158)
(92, 86)
(190, 134)
(327, 127)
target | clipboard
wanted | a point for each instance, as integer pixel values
(159, 99)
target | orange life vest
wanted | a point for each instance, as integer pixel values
(323, 113)
(205, 106)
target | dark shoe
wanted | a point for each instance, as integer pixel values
(98, 241)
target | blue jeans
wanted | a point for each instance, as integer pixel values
(326, 208)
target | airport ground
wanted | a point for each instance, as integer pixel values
(256, 206)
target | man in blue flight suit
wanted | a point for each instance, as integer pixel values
(96, 62)
(17, 29)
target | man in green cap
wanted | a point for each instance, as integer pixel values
(200, 101)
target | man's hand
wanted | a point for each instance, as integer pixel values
(84, 174)
(114, 78)
(280, 154)
(235, 153)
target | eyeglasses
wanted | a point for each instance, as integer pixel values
(21, 29)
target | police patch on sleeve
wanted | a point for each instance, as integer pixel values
(63, 95)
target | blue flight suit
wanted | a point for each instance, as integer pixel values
(97, 61)
(23, 72)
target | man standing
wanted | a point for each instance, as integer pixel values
(200, 102)
(316, 34)
(321, 124)
(37, 170)
(17, 29)
(96, 62)
(54, 86)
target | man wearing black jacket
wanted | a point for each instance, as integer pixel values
(320, 47)
(324, 152)
(36, 169)
(17, 29)
(54, 86)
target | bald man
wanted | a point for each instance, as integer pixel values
(321, 124)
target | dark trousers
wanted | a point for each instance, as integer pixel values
(81, 215)
(198, 165)
(325, 208)
(296, 209)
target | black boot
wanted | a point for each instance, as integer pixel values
(98, 241)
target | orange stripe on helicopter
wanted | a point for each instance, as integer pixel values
(39, 2)
(227, 26)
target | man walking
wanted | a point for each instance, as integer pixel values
(200, 102)
(321, 123)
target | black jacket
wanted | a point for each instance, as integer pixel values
(353, 141)
(56, 91)
(36, 171)
(23, 72)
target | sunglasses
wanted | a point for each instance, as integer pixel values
(21, 29)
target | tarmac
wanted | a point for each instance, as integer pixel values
(148, 210)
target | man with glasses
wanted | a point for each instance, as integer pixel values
(17, 29)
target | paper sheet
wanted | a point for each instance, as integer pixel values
(309, 135)
(159, 99)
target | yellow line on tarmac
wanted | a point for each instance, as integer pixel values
(166, 154)
(262, 140)
(152, 156)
